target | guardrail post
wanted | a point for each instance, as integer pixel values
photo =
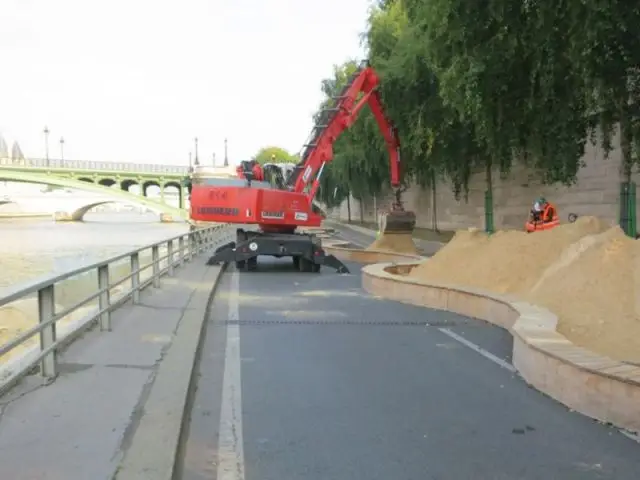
(104, 300)
(155, 261)
(135, 277)
(46, 313)
(181, 251)
(170, 259)
(190, 246)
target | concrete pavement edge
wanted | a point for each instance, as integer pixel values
(155, 446)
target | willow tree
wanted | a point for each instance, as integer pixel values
(358, 167)
(436, 142)
(605, 51)
(504, 71)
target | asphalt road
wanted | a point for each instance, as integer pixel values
(305, 376)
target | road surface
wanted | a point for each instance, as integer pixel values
(305, 376)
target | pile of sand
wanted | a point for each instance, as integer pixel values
(395, 242)
(585, 272)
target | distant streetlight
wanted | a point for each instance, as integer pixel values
(196, 162)
(213, 158)
(62, 148)
(226, 156)
(46, 144)
(190, 163)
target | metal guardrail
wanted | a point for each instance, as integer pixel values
(53, 164)
(188, 245)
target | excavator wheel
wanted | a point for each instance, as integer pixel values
(397, 222)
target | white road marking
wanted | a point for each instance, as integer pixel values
(230, 442)
(478, 349)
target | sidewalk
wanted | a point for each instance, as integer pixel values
(80, 426)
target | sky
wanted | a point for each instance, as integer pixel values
(138, 80)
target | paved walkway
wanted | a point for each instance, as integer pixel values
(80, 426)
(307, 377)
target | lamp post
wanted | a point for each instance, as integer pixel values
(190, 163)
(46, 144)
(226, 156)
(62, 149)
(196, 161)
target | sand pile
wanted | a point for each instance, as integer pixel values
(505, 262)
(597, 297)
(585, 272)
(395, 242)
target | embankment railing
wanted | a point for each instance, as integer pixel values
(165, 257)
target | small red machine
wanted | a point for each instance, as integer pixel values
(279, 211)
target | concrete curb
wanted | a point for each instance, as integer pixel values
(367, 256)
(596, 386)
(429, 247)
(154, 449)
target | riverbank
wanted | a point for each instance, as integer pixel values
(15, 216)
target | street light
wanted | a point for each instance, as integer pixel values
(62, 149)
(46, 144)
(226, 157)
(197, 162)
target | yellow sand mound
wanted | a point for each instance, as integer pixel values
(585, 272)
(597, 297)
(505, 262)
(395, 242)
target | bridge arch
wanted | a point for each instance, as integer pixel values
(147, 184)
(127, 184)
(107, 182)
(90, 186)
(86, 179)
(78, 214)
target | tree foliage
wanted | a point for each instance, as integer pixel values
(266, 155)
(477, 86)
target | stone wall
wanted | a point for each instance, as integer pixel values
(596, 193)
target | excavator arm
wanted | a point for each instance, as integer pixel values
(335, 120)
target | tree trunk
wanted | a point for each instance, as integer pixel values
(434, 207)
(625, 143)
(488, 200)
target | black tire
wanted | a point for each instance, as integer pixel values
(296, 262)
(252, 264)
(304, 265)
(315, 267)
(240, 264)
(573, 217)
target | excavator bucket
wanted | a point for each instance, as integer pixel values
(397, 221)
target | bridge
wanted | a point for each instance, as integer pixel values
(112, 180)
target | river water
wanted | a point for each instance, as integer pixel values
(40, 248)
(32, 248)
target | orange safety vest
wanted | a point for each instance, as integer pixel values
(550, 213)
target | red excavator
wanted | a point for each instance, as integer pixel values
(280, 204)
